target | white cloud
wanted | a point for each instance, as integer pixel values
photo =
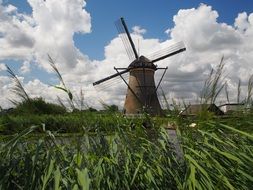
(2, 67)
(56, 22)
(15, 34)
(138, 30)
(25, 68)
(206, 41)
(241, 22)
(49, 30)
(51, 27)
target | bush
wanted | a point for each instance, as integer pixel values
(38, 106)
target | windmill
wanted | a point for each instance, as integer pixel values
(141, 89)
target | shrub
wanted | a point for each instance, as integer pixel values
(38, 106)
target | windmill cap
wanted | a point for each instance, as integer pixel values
(141, 62)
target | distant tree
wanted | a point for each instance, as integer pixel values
(109, 108)
(113, 108)
(91, 109)
(38, 106)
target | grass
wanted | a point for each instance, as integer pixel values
(18, 88)
(73, 122)
(215, 156)
(213, 84)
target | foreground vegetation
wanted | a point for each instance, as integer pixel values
(113, 152)
(44, 146)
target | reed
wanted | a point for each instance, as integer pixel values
(213, 84)
(217, 158)
(226, 92)
(18, 88)
(238, 91)
(249, 94)
(63, 87)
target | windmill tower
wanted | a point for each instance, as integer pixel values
(142, 91)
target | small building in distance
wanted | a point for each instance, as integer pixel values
(230, 108)
(193, 110)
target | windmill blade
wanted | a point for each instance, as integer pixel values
(126, 39)
(116, 81)
(110, 77)
(167, 52)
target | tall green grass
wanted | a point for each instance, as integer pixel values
(215, 156)
(213, 84)
(62, 85)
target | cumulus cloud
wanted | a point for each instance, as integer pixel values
(51, 27)
(138, 30)
(2, 67)
(207, 41)
(55, 25)
(241, 22)
(49, 30)
(25, 68)
(15, 34)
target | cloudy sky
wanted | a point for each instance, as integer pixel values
(81, 38)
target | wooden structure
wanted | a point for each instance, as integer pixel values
(193, 110)
(230, 108)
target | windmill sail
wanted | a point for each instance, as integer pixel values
(167, 52)
(110, 77)
(112, 83)
(126, 39)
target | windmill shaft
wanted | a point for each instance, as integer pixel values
(110, 77)
(129, 37)
(168, 55)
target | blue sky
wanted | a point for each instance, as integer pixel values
(85, 44)
(154, 16)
